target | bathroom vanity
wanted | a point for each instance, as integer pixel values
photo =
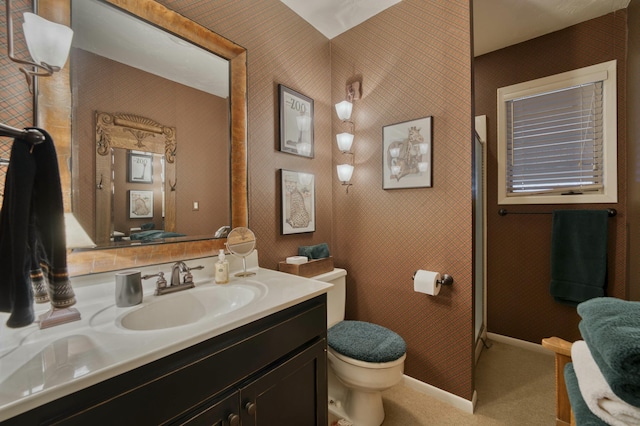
(262, 363)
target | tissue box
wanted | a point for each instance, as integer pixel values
(309, 269)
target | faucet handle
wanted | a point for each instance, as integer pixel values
(188, 277)
(161, 281)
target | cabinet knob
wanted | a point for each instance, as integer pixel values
(250, 407)
(234, 419)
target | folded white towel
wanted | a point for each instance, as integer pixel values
(596, 391)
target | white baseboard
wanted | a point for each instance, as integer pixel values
(519, 343)
(456, 401)
(444, 396)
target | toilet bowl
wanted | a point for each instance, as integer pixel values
(363, 381)
(363, 358)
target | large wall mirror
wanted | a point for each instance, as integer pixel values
(194, 186)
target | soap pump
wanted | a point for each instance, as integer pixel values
(222, 269)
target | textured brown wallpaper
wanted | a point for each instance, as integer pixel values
(414, 60)
(16, 103)
(281, 49)
(519, 304)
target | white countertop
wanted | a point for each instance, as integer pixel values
(39, 366)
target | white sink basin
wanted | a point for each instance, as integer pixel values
(182, 308)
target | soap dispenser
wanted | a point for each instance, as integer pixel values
(222, 269)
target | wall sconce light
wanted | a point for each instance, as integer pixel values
(48, 45)
(345, 140)
(345, 171)
(343, 109)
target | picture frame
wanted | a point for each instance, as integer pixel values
(407, 154)
(298, 209)
(140, 167)
(296, 122)
(140, 204)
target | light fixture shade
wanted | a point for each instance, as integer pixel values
(343, 109)
(345, 171)
(345, 140)
(47, 41)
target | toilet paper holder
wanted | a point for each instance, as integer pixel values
(445, 280)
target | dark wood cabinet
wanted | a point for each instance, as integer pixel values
(285, 394)
(269, 372)
(288, 394)
(223, 412)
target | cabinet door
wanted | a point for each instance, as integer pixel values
(224, 412)
(293, 393)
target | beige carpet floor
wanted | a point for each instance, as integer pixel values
(514, 386)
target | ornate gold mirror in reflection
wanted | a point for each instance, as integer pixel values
(122, 141)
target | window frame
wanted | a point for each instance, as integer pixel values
(605, 72)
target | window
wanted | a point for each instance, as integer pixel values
(557, 138)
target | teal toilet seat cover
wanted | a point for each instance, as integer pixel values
(365, 341)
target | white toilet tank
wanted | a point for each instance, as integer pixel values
(336, 296)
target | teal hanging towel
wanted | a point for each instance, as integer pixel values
(578, 255)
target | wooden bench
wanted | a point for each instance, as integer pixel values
(562, 350)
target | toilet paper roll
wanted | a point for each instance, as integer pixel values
(426, 282)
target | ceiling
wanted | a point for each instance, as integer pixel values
(333, 17)
(154, 51)
(497, 23)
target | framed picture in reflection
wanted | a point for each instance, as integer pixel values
(296, 122)
(140, 168)
(140, 204)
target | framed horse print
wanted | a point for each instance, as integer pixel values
(140, 204)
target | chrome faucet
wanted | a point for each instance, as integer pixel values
(175, 284)
(175, 272)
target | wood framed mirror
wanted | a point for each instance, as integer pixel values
(54, 109)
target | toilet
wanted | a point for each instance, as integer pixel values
(364, 359)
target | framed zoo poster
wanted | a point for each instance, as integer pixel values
(140, 204)
(140, 168)
(407, 150)
(296, 122)
(298, 202)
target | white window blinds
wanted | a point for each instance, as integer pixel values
(555, 141)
